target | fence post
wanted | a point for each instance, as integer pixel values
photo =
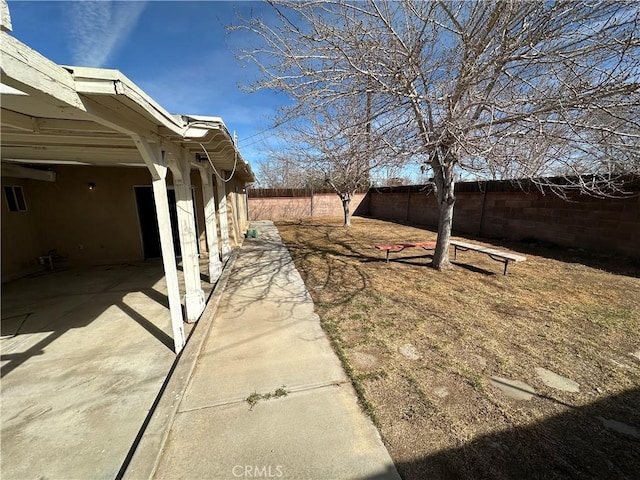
(408, 204)
(484, 199)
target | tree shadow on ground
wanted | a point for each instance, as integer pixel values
(580, 442)
(337, 255)
(416, 260)
(40, 310)
(599, 440)
(474, 269)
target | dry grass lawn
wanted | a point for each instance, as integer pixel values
(421, 346)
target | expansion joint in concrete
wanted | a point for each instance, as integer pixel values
(291, 391)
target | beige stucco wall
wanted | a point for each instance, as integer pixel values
(88, 227)
(20, 246)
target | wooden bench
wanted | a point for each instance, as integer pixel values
(497, 255)
(398, 247)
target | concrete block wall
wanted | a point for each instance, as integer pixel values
(317, 205)
(468, 214)
(582, 222)
(395, 206)
(329, 204)
(279, 207)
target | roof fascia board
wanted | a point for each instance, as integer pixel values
(34, 74)
(202, 118)
(5, 17)
(211, 133)
(95, 86)
(211, 128)
(157, 112)
(201, 124)
(102, 81)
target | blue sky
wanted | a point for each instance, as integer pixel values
(178, 52)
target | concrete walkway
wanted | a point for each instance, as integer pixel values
(265, 340)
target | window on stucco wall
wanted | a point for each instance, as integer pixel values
(14, 196)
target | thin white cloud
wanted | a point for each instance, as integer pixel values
(204, 85)
(99, 28)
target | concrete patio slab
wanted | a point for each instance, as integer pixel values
(84, 355)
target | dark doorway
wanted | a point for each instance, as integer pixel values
(149, 223)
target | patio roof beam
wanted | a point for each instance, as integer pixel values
(98, 156)
(18, 121)
(18, 171)
(56, 140)
(28, 71)
(74, 127)
(106, 116)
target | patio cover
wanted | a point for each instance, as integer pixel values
(53, 114)
(87, 116)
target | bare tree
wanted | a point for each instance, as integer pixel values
(280, 170)
(536, 90)
(344, 144)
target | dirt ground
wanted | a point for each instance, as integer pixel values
(422, 346)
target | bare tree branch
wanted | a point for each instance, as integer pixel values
(543, 91)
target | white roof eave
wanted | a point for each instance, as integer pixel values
(75, 94)
(103, 81)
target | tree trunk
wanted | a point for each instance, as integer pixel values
(445, 220)
(346, 202)
(445, 184)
